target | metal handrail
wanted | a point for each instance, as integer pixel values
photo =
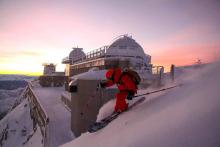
(46, 117)
(42, 113)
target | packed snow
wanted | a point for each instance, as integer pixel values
(17, 128)
(184, 116)
(59, 117)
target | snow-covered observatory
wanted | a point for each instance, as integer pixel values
(124, 51)
(125, 48)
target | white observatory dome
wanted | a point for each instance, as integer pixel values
(125, 46)
(76, 54)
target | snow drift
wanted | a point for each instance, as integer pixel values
(185, 116)
(16, 128)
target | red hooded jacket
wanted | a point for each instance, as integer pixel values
(124, 82)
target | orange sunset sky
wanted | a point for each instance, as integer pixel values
(171, 31)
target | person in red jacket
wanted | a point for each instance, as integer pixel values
(126, 86)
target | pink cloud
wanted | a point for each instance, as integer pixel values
(186, 46)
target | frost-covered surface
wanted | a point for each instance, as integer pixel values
(8, 99)
(60, 118)
(184, 116)
(16, 128)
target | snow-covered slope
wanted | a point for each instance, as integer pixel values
(185, 116)
(17, 129)
(11, 87)
(8, 99)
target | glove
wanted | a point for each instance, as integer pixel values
(130, 96)
(101, 85)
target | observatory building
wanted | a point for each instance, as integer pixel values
(49, 68)
(124, 51)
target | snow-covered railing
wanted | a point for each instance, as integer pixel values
(158, 74)
(44, 115)
(21, 97)
(156, 70)
(39, 113)
(97, 52)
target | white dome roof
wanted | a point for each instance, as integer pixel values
(125, 46)
(76, 54)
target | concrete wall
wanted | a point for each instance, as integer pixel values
(86, 103)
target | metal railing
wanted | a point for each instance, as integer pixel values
(156, 70)
(97, 53)
(39, 113)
